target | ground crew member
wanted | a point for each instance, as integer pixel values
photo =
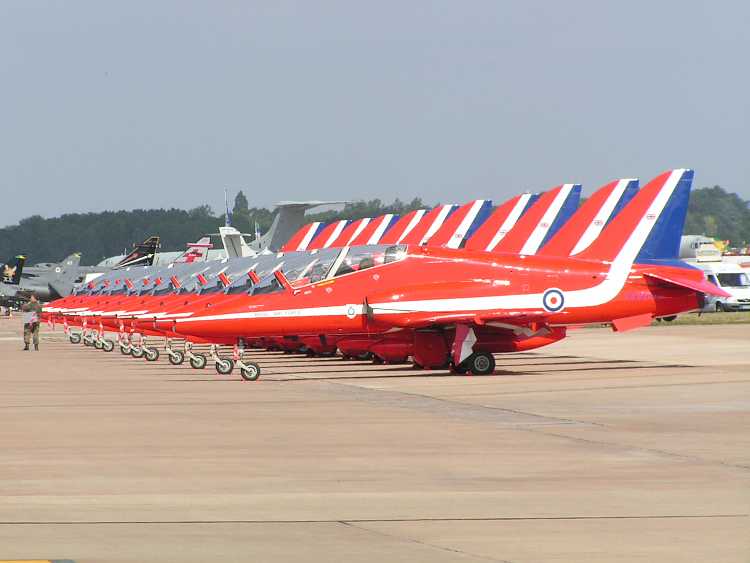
(32, 314)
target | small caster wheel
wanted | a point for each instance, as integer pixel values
(198, 361)
(224, 366)
(176, 357)
(250, 371)
(151, 354)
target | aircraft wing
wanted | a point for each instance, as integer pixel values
(520, 322)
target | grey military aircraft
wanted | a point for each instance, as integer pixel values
(50, 281)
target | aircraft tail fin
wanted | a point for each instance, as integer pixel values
(649, 227)
(195, 252)
(303, 237)
(11, 272)
(499, 223)
(403, 227)
(589, 220)
(328, 235)
(461, 224)
(141, 255)
(429, 224)
(67, 273)
(541, 220)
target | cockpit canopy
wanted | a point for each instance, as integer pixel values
(328, 264)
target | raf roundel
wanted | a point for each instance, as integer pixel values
(553, 300)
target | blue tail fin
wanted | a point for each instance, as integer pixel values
(663, 242)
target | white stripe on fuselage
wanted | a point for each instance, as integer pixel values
(601, 218)
(599, 294)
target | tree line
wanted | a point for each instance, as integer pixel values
(712, 212)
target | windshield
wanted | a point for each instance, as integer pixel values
(363, 257)
(734, 280)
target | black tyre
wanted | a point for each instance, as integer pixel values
(250, 372)
(98, 344)
(224, 366)
(75, 338)
(720, 307)
(481, 363)
(377, 360)
(461, 368)
(198, 361)
(136, 352)
(151, 354)
(176, 357)
(108, 345)
(669, 319)
(124, 350)
(87, 342)
(365, 356)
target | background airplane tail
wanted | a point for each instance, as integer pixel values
(142, 254)
(67, 273)
(195, 252)
(11, 271)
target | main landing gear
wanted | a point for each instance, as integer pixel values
(479, 363)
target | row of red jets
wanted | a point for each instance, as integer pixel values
(440, 287)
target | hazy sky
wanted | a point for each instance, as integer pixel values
(119, 105)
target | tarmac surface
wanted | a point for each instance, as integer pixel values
(605, 447)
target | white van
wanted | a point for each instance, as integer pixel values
(731, 278)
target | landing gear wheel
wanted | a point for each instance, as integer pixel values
(176, 357)
(481, 363)
(250, 372)
(224, 366)
(136, 352)
(124, 350)
(108, 345)
(377, 360)
(415, 365)
(669, 319)
(720, 307)
(152, 354)
(87, 342)
(198, 361)
(346, 357)
(365, 356)
(74, 338)
(310, 353)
